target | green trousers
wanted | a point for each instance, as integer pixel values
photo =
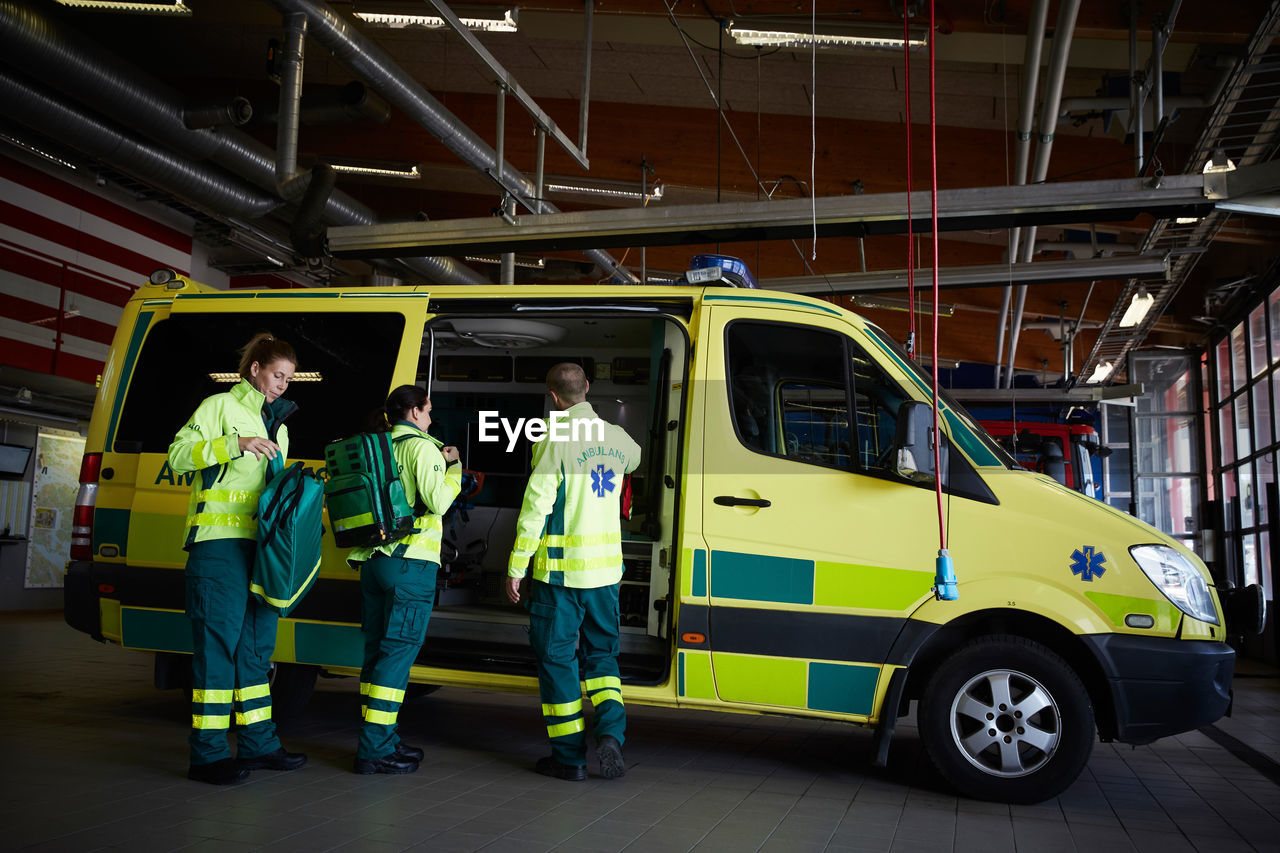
(563, 623)
(398, 594)
(233, 635)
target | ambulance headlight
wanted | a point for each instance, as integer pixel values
(1179, 580)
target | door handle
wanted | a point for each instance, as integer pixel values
(730, 500)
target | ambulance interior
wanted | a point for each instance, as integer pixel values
(473, 364)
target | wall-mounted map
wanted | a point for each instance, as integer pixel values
(53, 496)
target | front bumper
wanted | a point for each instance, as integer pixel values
(1162, 686)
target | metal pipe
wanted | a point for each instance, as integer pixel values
(1135, 86)
(235, 112)
(363, 57)
(542, 158)
(584, 98)
(1026, 119)
(203, 184)
(502, 132)
(84, 70)
(1063, 31)
(291, 60)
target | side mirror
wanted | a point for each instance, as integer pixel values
(913, 443)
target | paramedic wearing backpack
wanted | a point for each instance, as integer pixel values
(230, 442)
(570, 524)
(398, 582)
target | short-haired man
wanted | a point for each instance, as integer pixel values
(569, 523)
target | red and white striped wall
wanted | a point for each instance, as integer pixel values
(69, 259)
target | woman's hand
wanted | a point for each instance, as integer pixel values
(450, 453)
(259, 447)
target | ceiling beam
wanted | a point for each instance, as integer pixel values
(980, 275)
(829, 216)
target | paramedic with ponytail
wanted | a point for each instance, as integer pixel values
(234, 443)
(398, 582)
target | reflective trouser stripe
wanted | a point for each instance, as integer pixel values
(206, 721)
(569, 728)
(385, 718)
(562, 709)
(607, 696)
(256, 691)
(603, 681)
(377, 691)
(211, 697)
(257, 715)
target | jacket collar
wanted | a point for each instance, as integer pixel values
(580, 410)
(253, 399)
(403, 427)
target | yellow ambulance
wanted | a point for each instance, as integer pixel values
(780, 553)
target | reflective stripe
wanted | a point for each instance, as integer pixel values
(256, 691)
(386, 718)
(257, 715)
(228, 496)
(219, 448)
(211, 696)
(562, 709)
(222, 519)
(387, 694)
(353, 521)
(198, 457)
(205, 721)
(581, 564)
(569, 728)
(607, 696)
(525, 545)
(583, 541)
(603, 681)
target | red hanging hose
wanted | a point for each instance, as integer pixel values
(911, 272)
(933, 165)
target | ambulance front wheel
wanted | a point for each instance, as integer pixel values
(1006, 719)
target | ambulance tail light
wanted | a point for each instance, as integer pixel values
(82, 515)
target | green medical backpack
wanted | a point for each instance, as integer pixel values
(367, 505)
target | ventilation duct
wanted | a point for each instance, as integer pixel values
(80, 69)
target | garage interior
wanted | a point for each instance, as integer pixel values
(1106, 244)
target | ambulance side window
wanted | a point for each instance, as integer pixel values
(876, 399)
(788, 392)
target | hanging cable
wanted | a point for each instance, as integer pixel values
(945, 577)
(911, 272)
(813, 123)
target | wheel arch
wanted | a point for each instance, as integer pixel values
(935, 647)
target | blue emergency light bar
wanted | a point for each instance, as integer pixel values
(705, 269)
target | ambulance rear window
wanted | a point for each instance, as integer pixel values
(354, 355)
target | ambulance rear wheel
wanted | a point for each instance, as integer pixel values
(1006, 719)
(291, 687)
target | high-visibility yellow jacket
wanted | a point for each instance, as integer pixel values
(428, 482)
(224, 498)
(569, 521)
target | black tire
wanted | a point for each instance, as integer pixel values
(291, 687)
(1026, 749)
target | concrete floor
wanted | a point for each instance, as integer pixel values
(93, 758)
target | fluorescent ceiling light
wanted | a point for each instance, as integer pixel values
(1138, 308)
(1219, 162)
(620, 190)
(525, 261)
(892, 303)
(174, 8)
(409, 173)
(750, 37)
(488, 21)
(1187, 220)
(31, 149)
(1100, 373)
(301, 376)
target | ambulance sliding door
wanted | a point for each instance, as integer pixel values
(813, 563)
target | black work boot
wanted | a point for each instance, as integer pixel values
(221, 772)
(609, 751)
(406, 751)
(278, 760)
(569, 772)
(393, 763)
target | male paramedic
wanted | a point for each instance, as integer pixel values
(569, 523)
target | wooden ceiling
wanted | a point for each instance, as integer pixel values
(830, 125)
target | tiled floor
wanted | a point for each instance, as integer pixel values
(93, 758)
